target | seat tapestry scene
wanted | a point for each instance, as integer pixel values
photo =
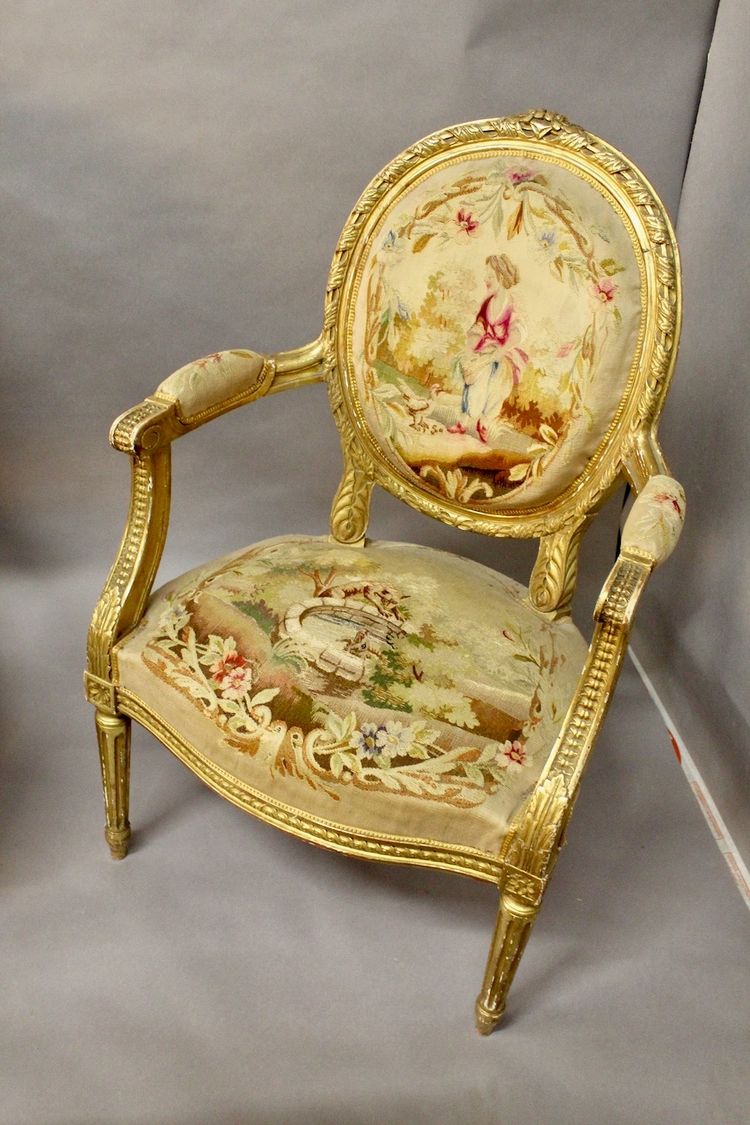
(497, 316)
(393, 687)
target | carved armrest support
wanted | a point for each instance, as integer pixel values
(649, 536)
(536, 834)
(131, 577)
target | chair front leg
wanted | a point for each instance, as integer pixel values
(514, 921)
(113, 734)
(529, 853)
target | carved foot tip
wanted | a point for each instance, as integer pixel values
(487, 1020)
(118, 840)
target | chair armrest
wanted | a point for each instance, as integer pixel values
(195, 394)
(655, 521)
(208, 387)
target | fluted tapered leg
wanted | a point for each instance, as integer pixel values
(514, 922)
(113, 734)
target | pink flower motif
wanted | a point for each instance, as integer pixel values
(232, 675)
(466, 222)
(521, 175)
(566, 349)
(215, 357)
(666, 498)
(605, 289)
(514, 754)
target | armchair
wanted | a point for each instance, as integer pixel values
(500, 328)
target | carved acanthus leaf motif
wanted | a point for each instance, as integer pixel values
(101, 630)
(536, 829)
(553, 579)
(351, 505)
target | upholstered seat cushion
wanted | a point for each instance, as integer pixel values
(391, 689)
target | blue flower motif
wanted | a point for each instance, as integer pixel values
(548, 238)
(365, 741)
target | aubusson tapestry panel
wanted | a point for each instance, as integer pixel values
(397, 689)
(491, 324)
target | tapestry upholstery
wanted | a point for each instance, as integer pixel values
(498, 317)
(391, 688)
(208, 386)
(655, 521)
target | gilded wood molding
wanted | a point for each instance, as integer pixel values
(643, 458)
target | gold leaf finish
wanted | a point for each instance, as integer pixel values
(351, 505)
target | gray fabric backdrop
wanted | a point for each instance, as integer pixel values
(174, 180)
(694, 636)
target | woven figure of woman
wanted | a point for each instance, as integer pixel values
(491, 363)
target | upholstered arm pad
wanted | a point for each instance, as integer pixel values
(655, 521)
(208, 387)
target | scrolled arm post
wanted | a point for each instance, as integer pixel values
(195, 394)
(131, 577)
(650, 534)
